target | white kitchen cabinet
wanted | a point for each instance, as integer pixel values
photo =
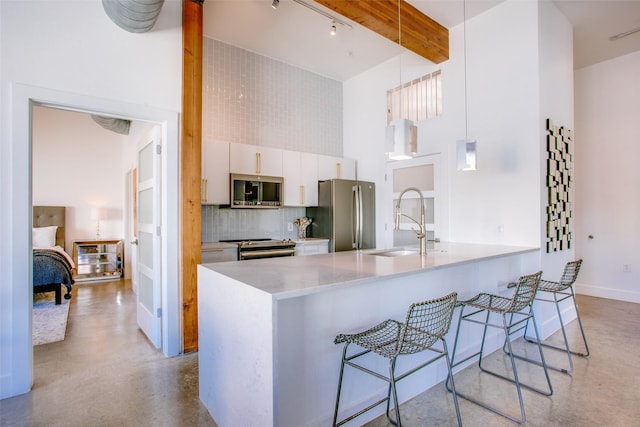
(255, 160)
(311, 246)
(215, 173)
(300, 172)
(330, 167)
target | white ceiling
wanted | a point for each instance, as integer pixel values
(300, 37)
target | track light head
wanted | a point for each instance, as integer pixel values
(333, 29)
(275, 4)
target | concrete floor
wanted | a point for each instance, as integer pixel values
(105, 373)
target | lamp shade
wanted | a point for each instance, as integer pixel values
(401, 140)
(97, 214)
(466, 154)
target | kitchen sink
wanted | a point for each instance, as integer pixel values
(403, 252)
(396, 252)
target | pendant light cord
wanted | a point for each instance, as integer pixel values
(400, 60)
(464, 42)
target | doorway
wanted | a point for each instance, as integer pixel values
(24, 97)
(78, 161)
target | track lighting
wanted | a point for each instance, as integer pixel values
(624, 34)
(335, 21)
(275, 4)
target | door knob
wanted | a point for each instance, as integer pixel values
(134, 242)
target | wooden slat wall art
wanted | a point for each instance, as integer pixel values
(559, 185)
(420, 33)
(191, 164)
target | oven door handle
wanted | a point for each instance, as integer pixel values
(267, 253)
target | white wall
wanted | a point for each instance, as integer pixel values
(607, 148)
(69, 50)
(556, 102)
(501, 201)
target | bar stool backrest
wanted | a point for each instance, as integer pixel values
(526, 288)
(426, 322)
(570, 273)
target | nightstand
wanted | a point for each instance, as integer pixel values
(98, 259)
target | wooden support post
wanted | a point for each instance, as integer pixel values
(191, 163)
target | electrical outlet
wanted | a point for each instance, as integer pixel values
(290, 226)
(626, 268)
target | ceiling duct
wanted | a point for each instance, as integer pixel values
(134, 16)
(120, 126)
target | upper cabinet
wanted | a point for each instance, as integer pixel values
(300, 172)
(215, 172)
(255, 160)
(330, 167)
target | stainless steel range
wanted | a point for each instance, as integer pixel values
(263, 248)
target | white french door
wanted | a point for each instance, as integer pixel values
(149, 308)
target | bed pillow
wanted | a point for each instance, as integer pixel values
(44, 237)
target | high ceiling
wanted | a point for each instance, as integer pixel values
(299, 36)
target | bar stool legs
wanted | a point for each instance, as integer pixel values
(561, 291)
(426, 324)
(518, 309)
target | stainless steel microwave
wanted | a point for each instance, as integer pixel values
(256, 191)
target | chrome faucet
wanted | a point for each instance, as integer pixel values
(421, 234)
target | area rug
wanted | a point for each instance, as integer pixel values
(49, 321)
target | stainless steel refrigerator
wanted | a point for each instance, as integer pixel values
(345, 214)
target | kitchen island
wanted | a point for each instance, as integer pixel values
(266, 327)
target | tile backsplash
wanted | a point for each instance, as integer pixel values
(251, 99)
(225, 223)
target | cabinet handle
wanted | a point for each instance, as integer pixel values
(302, 194)
(338, 170)
(258, 163)
(205, 191)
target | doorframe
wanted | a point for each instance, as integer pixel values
(23, 97)
(130, 229)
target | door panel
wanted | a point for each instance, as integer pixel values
(148, 224)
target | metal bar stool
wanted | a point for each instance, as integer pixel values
(561, 291)
(518, 307)
(425, 324)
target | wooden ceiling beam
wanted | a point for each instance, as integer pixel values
(419, 33)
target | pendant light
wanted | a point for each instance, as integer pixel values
(465, 148)
(401, 135)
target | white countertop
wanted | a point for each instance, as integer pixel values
(288, 277)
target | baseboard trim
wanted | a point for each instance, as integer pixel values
(609, 293)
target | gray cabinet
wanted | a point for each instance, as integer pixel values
(219, 252)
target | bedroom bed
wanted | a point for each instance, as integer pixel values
(52, 266)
